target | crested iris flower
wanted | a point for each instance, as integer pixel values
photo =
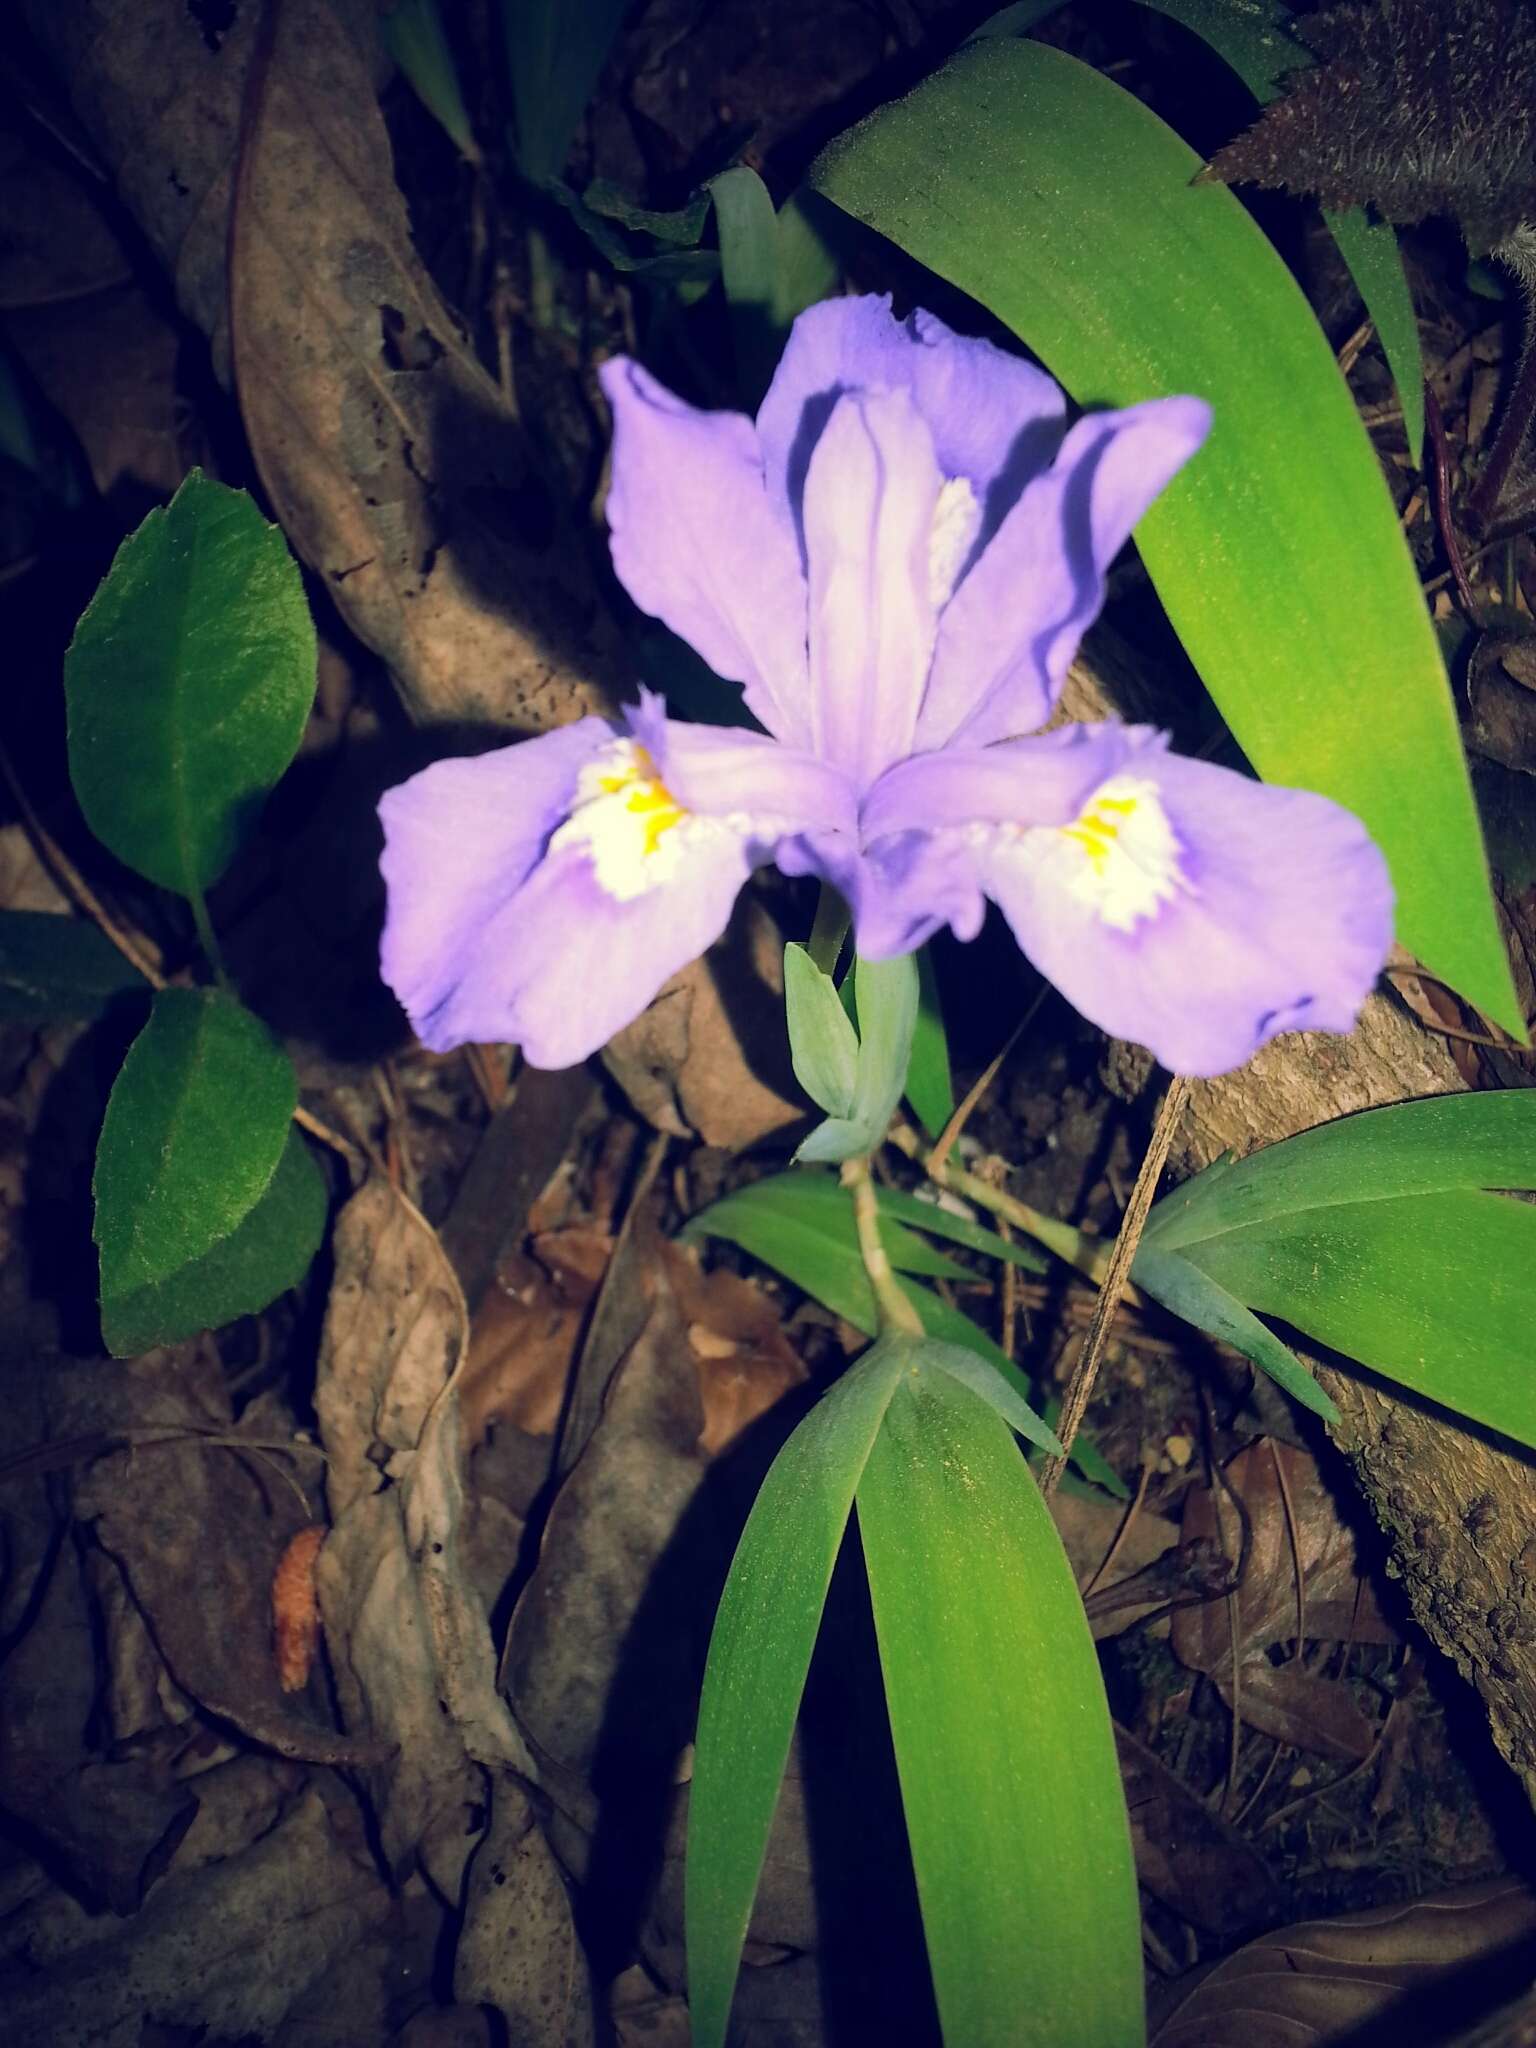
(896, 561)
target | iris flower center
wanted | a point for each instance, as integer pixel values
(1121, 855)
(627, 821)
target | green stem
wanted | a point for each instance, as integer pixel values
(1090, 1255)
(208, 941)
(894, 1310)
(828, 929)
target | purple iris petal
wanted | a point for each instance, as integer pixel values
(460, 839)
(719, 770)
(870, 498)
(1224, 912)
(697, 543)
(995, 419)
(564, 966)
(1013, 625)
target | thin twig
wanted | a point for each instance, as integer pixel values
(962, 1115)
(1112, 1287)
(1440, 495)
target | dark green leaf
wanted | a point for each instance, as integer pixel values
(758, 1655)
(629, 253)
(555, 52)
(413, 34)
(188, 681)
(53, 966)
(266, 1253)
(1436, 1291)
(818, 1205)
(1254, 40)
(1188, 1292)
(823, 1045)
(749, 261)
(679, 225)
(1003, 1739)
(929, 1091)
(1479, 1140)
(194, 1129)
(990, 1386)
(1065, 207)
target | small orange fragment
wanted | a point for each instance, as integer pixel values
(295, 1609)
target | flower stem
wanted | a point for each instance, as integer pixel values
(892, 1307)
(828, 929)
(208, 940)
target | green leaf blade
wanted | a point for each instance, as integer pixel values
(188, 682)
(1003, 1741)
(195, 1127)
(267, 1252)
(759, 1653)
(930, 1090)
(55, 966)
(823, 1046)
(1281, 566)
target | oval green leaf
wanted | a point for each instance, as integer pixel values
(194, 1130)
(759, 1653)
(56, 966)
(1003, 1740)
(823, 1045)
(188, 682)
(1065, 207)
(265, 1254)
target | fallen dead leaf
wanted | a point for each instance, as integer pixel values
(1415, 1972)
(1301, 1583)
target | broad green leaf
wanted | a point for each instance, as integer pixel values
(1483, 1139)
(1252, 36)
(265, 1254)
(53, 966)
(814, 1244)
(1191, 1293)
(808, 265)
(929, 1091)
(194, 1129)
(413, 34)
(885, 996)
(823, 1045)
(1003, 1740)
(1065, 207)
(188, 682)
(555, 52)
(758, 1656)
(1436, 1291)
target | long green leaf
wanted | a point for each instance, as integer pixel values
(266, 1253)
(1184, 1288)
(555, 54)
(758, 1656)
(1003, 1741)
(1065, 207)
(823, 1045)
(193, 1133)
(188, 682)
(1443, 1142)
(413, 33)
(1435, 1291)
(885, 994)
(930, 1091)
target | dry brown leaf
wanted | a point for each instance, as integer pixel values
(1191, 1859)
(394, 463)
(390, 457)
(744, 1361)
(711, 1056)
(1409, 1973)
(1294, 1527)
(1093, 1529)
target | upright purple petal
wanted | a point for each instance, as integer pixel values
(698, 544)
(460, 840)
(1196, 912)
(1012, 627)
(870, 498)
(996, 420)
